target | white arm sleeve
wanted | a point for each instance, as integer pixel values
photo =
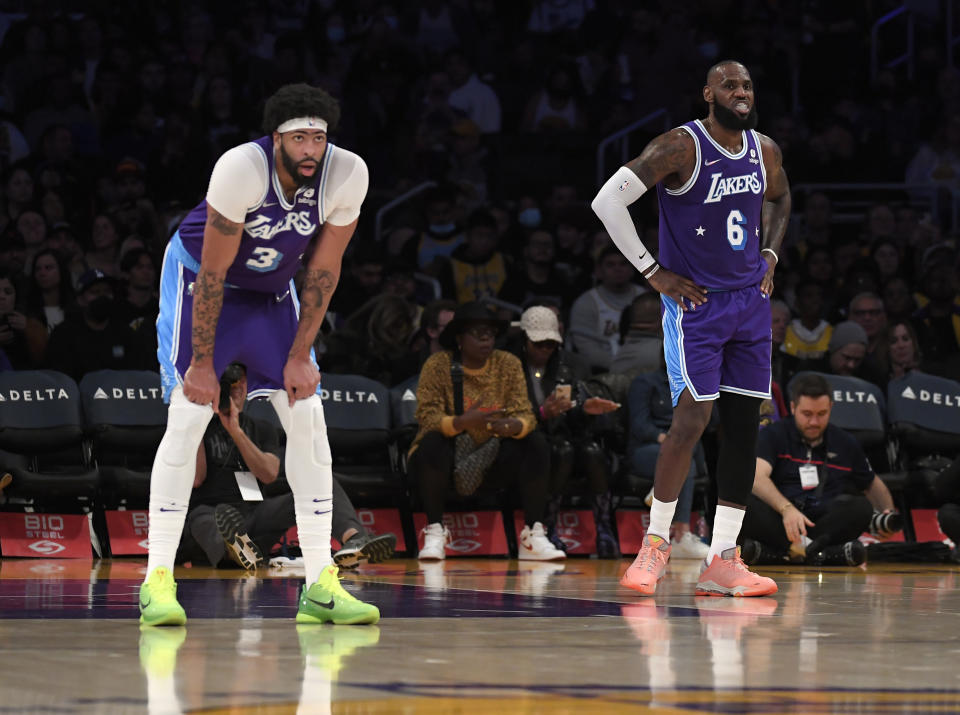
(610, 205)
(238, 182)
(350, 179)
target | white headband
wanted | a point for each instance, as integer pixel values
(298, 123)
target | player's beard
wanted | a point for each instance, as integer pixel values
(293, 168)
(728, 119)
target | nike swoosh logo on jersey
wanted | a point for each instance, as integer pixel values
(328, 605)
(143, 606)
(275, 203)
(710, 163)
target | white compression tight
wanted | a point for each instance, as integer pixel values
(309, 468)
(171, 479)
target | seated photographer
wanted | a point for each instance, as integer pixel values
(814, 491)
(551, 372)
(230, 519)
(469, 395)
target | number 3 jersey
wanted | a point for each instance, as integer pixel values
(244, 187)
(710, 228)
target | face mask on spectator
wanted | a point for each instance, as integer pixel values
(529, 218)
(442, 229)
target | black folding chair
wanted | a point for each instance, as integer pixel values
(125, 418)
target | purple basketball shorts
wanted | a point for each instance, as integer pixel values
(722, 345)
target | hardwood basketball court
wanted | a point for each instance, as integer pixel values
(480, 636)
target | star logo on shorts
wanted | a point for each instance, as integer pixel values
(701, 230)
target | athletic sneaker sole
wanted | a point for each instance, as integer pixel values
(711, 588)
(240, 547)
(377, 549)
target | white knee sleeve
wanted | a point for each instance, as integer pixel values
(186, 423)
(308, 451)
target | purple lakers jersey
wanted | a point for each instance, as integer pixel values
(710, 228)
(275, 231)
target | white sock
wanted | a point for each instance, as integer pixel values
(726, 529)
(314, 517)
(661, 516)
(167, 515)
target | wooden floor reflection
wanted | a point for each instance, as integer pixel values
(481, 636)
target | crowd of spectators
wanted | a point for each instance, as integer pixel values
(111, 119)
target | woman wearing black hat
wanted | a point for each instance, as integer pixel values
(494, 404)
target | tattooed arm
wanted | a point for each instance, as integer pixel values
(776, 208)
(670, 157)
(300, 376)
(221, 240)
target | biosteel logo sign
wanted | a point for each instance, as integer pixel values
(46, 548)
(62, 536)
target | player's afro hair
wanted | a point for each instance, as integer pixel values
(300, 100)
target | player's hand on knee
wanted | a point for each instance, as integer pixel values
(679, 288)
(201, 386)
(300, 378)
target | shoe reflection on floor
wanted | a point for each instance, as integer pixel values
(324, 650)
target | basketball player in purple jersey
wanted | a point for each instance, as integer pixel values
(226, 293)
(724, 203)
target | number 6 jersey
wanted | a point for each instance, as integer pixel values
(710, 228)
(244, 187)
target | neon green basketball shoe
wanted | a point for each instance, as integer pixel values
(327, 601)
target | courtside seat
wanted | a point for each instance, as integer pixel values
(357, 413)
(403, 414)
(925, 415)
(43, 443)
(125, 418)
(925, 422)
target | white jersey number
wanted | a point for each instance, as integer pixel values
(264, 260)
(735, 221)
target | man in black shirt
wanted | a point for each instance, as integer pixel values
(814, 491)
(93, 338)
(229, 515)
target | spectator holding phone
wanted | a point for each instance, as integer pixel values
(551, 374)
(470, 394)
